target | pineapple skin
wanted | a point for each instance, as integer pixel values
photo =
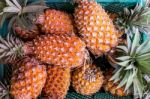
(87, 80)
(56, 22)
(57, 83)
(95, 27)
(114, 17)
(111, 87)
(28, 79)
(66, 51)
(26, 34)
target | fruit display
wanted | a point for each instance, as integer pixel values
(50, 52)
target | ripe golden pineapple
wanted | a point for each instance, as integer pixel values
(22, 15)
(56, 22)
(87, 80)
(28, 79)
(64, 50)
(57, 83)
(95, 27)
(111, 87)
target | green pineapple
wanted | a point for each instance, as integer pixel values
(133, 64)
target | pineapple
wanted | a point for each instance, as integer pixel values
(28, 79)
(64, 50)
(132, 64)
(95, 27)
(87, 80)
(56, 22)
(57, 83)
(111, 87)
(22, 16)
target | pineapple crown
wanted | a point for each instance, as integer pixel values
(138, 17)
(133, 64)
(4, 91)
(5, 83)
(19, 10)
(10, 49)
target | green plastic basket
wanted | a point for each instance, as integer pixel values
(109, 5)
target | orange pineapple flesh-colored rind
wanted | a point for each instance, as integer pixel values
(56, 22)
(62, 50)
(95, 27)
(28, 79)
(57, 83)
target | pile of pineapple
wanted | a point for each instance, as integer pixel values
(50, 50)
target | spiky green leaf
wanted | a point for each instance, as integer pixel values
(11, 10)
(116, 75)
(129, 81)
(129, 43)
(131, 66)
(3, 18)
(138, 87)
(123, 58)
(144, 66)
(11, 49)
(124, 63)
(11, 23)
(135, 42)
(124, 80)
(140, 48)
(10, 3)
(17, 4)
(124, 48)
(143, 57)
(33, 8)
(146, 49)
